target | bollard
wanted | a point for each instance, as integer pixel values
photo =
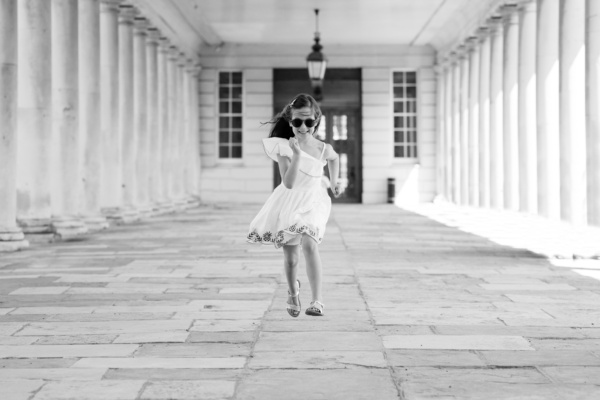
(391, 190)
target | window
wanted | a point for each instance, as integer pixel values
(405, 114)
(230, 115)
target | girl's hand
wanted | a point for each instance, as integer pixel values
(294, 145)
(336, 189)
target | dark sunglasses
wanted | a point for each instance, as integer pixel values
(309, 122)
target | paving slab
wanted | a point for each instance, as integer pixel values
(457, 342)
(188, 390)
(19, 389)
(350, 384)
(73, 350)
(164, 362)
(86, 390)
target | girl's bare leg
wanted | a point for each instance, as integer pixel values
(290, 264)
(313, 265)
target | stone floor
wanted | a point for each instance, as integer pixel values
(180, 307)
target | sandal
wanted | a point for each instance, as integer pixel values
(316, 309)
(292, 309)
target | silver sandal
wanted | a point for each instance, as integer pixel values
(315, 309)
(292, 309)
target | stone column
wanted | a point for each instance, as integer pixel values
(448, 168)
(473, 147)
(154, 153)
(440, 142)
(34, 184)
(163, 124)
(111, 198)
(456, 173)
(89, 117)
(547, 112)
(496, 113)
(464, 126)
(186, 132)
(593, 110)
(140, 116)
(511, 108)
(180, 192)
(572, 134)
(171, 134)
(527, 109)
(126, 132)
(484, 117)
(68, 198)
(195, 130)
(11, 236)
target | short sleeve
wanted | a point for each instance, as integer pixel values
(277, 146)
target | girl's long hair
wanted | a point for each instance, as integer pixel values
(281, 127)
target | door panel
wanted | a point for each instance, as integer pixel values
(340, 128)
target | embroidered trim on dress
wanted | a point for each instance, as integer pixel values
(279, 239)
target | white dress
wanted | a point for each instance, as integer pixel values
(288, 213)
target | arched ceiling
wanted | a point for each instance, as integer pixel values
(193, 24)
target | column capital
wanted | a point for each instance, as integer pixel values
(163, 45)
(471, 43)
(194, 68)
(153, 36)
(482, 33)
(495, 24)
(182, 59)
(173, 53)
(110, 5)
(140, 25)
(527, 6)
(509, 14)
(127, 14)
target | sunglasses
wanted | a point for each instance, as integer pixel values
(309, 122)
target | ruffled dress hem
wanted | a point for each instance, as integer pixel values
(284, 236)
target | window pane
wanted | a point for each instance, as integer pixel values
(223, 77)
(236, 78)
(223, 107)
(224, 151)
(236, 122)
(224, 123)
(224, 137)
(411, 92)
(236, 107)
(398, 106)
(398, 77)
(411, 106)
(398, 136)
(411, 77)
(236, 137)
(236, 92)
(415, 151)
(398, 151)
(398, 92)
(398, 122)
(224, 92)
(236, 151)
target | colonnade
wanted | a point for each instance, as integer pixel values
(519, 110)
(99, 117)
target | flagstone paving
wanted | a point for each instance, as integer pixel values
(180, 307)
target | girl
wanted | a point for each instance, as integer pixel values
(297, 211)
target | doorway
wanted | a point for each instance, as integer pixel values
(340, 124)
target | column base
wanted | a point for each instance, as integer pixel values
(12, 239)
(166, 207)
(121, 216)
(68, 228)
(95, 222)
(35, 225)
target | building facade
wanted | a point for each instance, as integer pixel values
(109, 114)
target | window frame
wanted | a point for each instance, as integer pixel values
(230, 114)
(405, 115)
